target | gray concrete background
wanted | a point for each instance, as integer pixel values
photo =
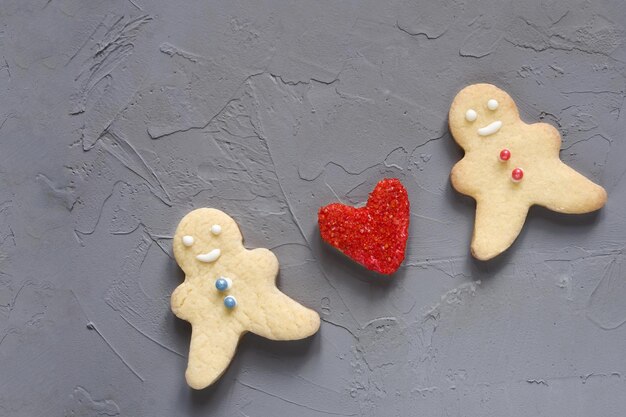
(118, 117)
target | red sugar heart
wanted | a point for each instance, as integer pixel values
(375, 235)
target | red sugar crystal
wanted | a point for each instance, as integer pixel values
(375, 235)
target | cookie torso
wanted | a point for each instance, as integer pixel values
(481, 173)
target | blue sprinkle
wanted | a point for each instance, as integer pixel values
(230, 302)
(223, 284)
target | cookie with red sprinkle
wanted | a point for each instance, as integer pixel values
(509, 166)
(375, 235)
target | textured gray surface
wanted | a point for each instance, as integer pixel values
(118, 117)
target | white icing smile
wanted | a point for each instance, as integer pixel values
(209, 256)
(490, 129)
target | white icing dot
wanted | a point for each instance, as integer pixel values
(216, 229)
(492, 104)
(471, 115)
(187, 240)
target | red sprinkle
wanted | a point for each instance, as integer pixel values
(505, 155)
(517, 174)
(375, 235)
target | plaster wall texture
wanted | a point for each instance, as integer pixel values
(118, 117)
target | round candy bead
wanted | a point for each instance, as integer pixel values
(230, 302)
(223, 284)
(517, 174)
(471, 115)
(505, 155)
(492, 104)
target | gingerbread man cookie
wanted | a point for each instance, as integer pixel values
(509, 166)
(228, 291)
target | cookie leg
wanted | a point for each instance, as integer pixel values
(284, 318)
(210, 353)
(496, 227)
(572, 193)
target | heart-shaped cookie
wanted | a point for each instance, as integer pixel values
(375, 235)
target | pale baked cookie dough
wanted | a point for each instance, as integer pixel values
(228, 291)
(509, 166)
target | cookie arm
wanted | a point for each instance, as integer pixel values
(496, 227)
(282, 318)
(178, 301)
(567, 191)
(210, 352)
(278, 316)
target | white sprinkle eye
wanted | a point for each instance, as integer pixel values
(471, 115)
(216, 229)
(492, 104)
(187, 240)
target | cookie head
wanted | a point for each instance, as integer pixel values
(203, 237)
(480, 111)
